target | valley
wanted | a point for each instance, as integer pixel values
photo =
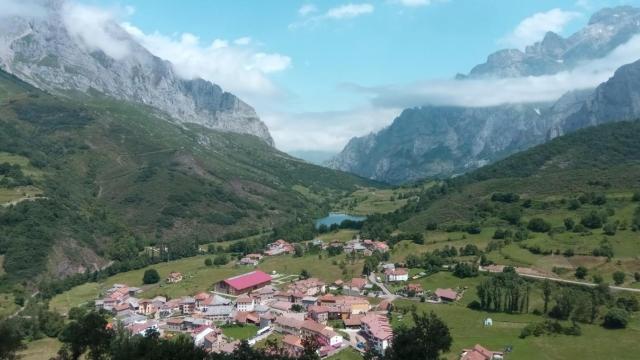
(148, 212)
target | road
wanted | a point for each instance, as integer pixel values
(387, 293)
(618, 288)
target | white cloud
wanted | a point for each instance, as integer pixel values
(242, 41)
(307, 9)
(236, 66)
(21, 8)
(341, 12)
(96, 28)
(325, 131)
(496, 91)
(414, 3)
(349, 11)
(534, 28)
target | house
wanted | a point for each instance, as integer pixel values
(447, 295)
(219, 313)
(397, 274)
(380, 246)
(377, 331)
(355, 286)
(201, 299)
(478, 352)
(414, 290)
(143, 327)
(325, 335)
(293, 345)
(310, 286)
(309, 301)
(279, 247)
(175, 324)
(265, 293)
(245, 283)
(247, 261)
(384, 305)
(245, 303)
(353, 322)
(319, 313)
(187, 305)
(147, 307)
(256, 257)
(174, 277)
(288, 325)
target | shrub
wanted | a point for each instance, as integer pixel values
(593, 220)
(581, 272)
(616, 318)
(208, 262)
(150, 276)
(610, 229)
(569, 223)
(636, 196)
(538, 225)
(220, 260)
(505, 197)
(618, 277)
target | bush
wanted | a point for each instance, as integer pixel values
(618, 277)
(475, 305)
(636, 196)
(593, 220)
(464, 270)
(581, 272)
(569, 224)
(150, 276)
(505, 197)
(574, 204)
(538, 225)
(220, 260)
(610, 229)
(616, 318)
(208, 262)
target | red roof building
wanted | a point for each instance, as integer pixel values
(243, 284)
(446, 294)
(480, 353)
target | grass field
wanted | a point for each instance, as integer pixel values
(467, 330)
(341, 235)
(75, 297)
(43, 349)
(366, 201)
(239, 332)
(346, 354)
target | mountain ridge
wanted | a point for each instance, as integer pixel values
(44, 52)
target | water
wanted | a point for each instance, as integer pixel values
(337, 218)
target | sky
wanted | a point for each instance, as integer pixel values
(321, 72)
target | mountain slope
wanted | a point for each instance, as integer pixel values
(442, 141)
(600, 158)
(49, 52)
(117, 176)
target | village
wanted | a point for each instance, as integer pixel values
(347, 313)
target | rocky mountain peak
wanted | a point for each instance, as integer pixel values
(52, 52)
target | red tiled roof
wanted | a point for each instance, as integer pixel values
(478, 353)
(358, 282)
(248, 280)
(397, 271)
(292, 340)
(378, 326)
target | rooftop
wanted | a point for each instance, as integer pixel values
(248, 280)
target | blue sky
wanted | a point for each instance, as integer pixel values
(298, 62)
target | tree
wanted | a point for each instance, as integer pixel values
(547, 290)
(609, 229)
(618, 277)
(569, 223)
(150, 276)
(427, 339)
(581, 272)
(220, 260)
(538, 225)
(304, 274)
(298, 251)
(464, 270)
(90, 332)
(593, 220)
(208, 262)
(636, 276)
(616, 318)
(10, 340)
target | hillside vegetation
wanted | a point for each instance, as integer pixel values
(113, 177)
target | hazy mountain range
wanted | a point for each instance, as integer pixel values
(441, 141)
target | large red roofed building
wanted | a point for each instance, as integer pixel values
(243, 284)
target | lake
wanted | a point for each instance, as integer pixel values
(337, 218)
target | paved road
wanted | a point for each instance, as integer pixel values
(387, 293)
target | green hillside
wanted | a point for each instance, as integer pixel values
(83, 182)
(571, 202)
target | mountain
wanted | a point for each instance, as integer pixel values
(606, 30)
(603, 158)
(616, 99)
(317, 157)
(443, 141)
(95, 180)
(48, 51)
